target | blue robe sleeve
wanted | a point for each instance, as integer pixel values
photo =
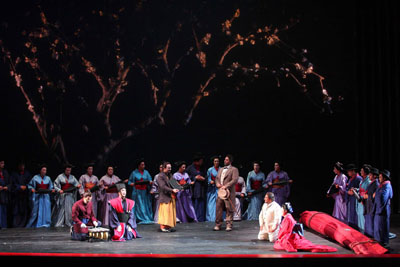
(382, 200)
(209, 176)
(114, 222)
(131, 178)
(248, 183)
(51, 187)
(132, 220)
(32, 183)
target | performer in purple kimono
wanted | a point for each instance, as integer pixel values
(338, 192)
(199, 190)
(184, 205)
(281, 191)
(383, 196)
(370, 202)
(122, 216)
(5, 188)
(20, 195)
(353, 182)
(108, 191)
(88, 182)
(82, 217)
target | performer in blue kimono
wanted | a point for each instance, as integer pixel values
(353, 182)
(338, 193)
(141, 182)
(20, 195)
(41, 209)
(66, 186)
(199, 190)
(369, 202)
(383, 196)
(256, 189)
(122, 216)
(281, 191)
(212, 190)
(184, 205)
(5, 188)
(364, 172)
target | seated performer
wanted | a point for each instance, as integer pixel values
(122, 217)
(82, 217)
(240, 189)
(290, 237)
(269, 218)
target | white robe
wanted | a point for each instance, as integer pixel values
(269, 218)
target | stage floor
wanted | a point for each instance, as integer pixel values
(189, 239)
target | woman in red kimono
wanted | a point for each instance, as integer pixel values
(290, 237)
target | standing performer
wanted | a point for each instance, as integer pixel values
(338, 193)
(122, 216)
(291, 238)
(141, 182)
(370, 202)
(269, 218)
(365, 171)
(184, 205)
(5, 188)
(240, 193)
(226, 180)
(199, 196)
(212, 190)
(156, 195)
(21, 211)
(88, 181)
(353, 182)
(383, 196)
(256, 189)
(82, 217)
(167, 208)
(108, 191)
(281, 192)
(65, 185)
(41, 209)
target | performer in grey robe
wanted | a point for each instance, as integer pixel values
(65, 186)
(89, 182)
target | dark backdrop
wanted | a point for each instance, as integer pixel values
(354, 45)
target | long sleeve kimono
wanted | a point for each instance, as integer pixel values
(82, 213)
(281, 192)
(122, 215)
(156, 197)
(212, 192)
(340, 207)
(352, 218)
(184, 205)
(106, 195)
(370, 208)
(255, 181)
(383, 196)
(5, 181)
(41, 208)
(141, 195)
(20, 198)
(61, 214)
(360, 205)
(292, 241)
(88, 182)
(240, 188)
(199, 191)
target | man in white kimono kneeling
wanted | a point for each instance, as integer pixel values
(270, 218)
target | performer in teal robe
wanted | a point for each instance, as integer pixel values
(41, 209)
(141, 182)
(255, 182)
(365, 170)
(212, 190)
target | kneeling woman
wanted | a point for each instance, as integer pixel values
(292, 240)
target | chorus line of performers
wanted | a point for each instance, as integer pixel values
(39, 201)
(362, 200)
